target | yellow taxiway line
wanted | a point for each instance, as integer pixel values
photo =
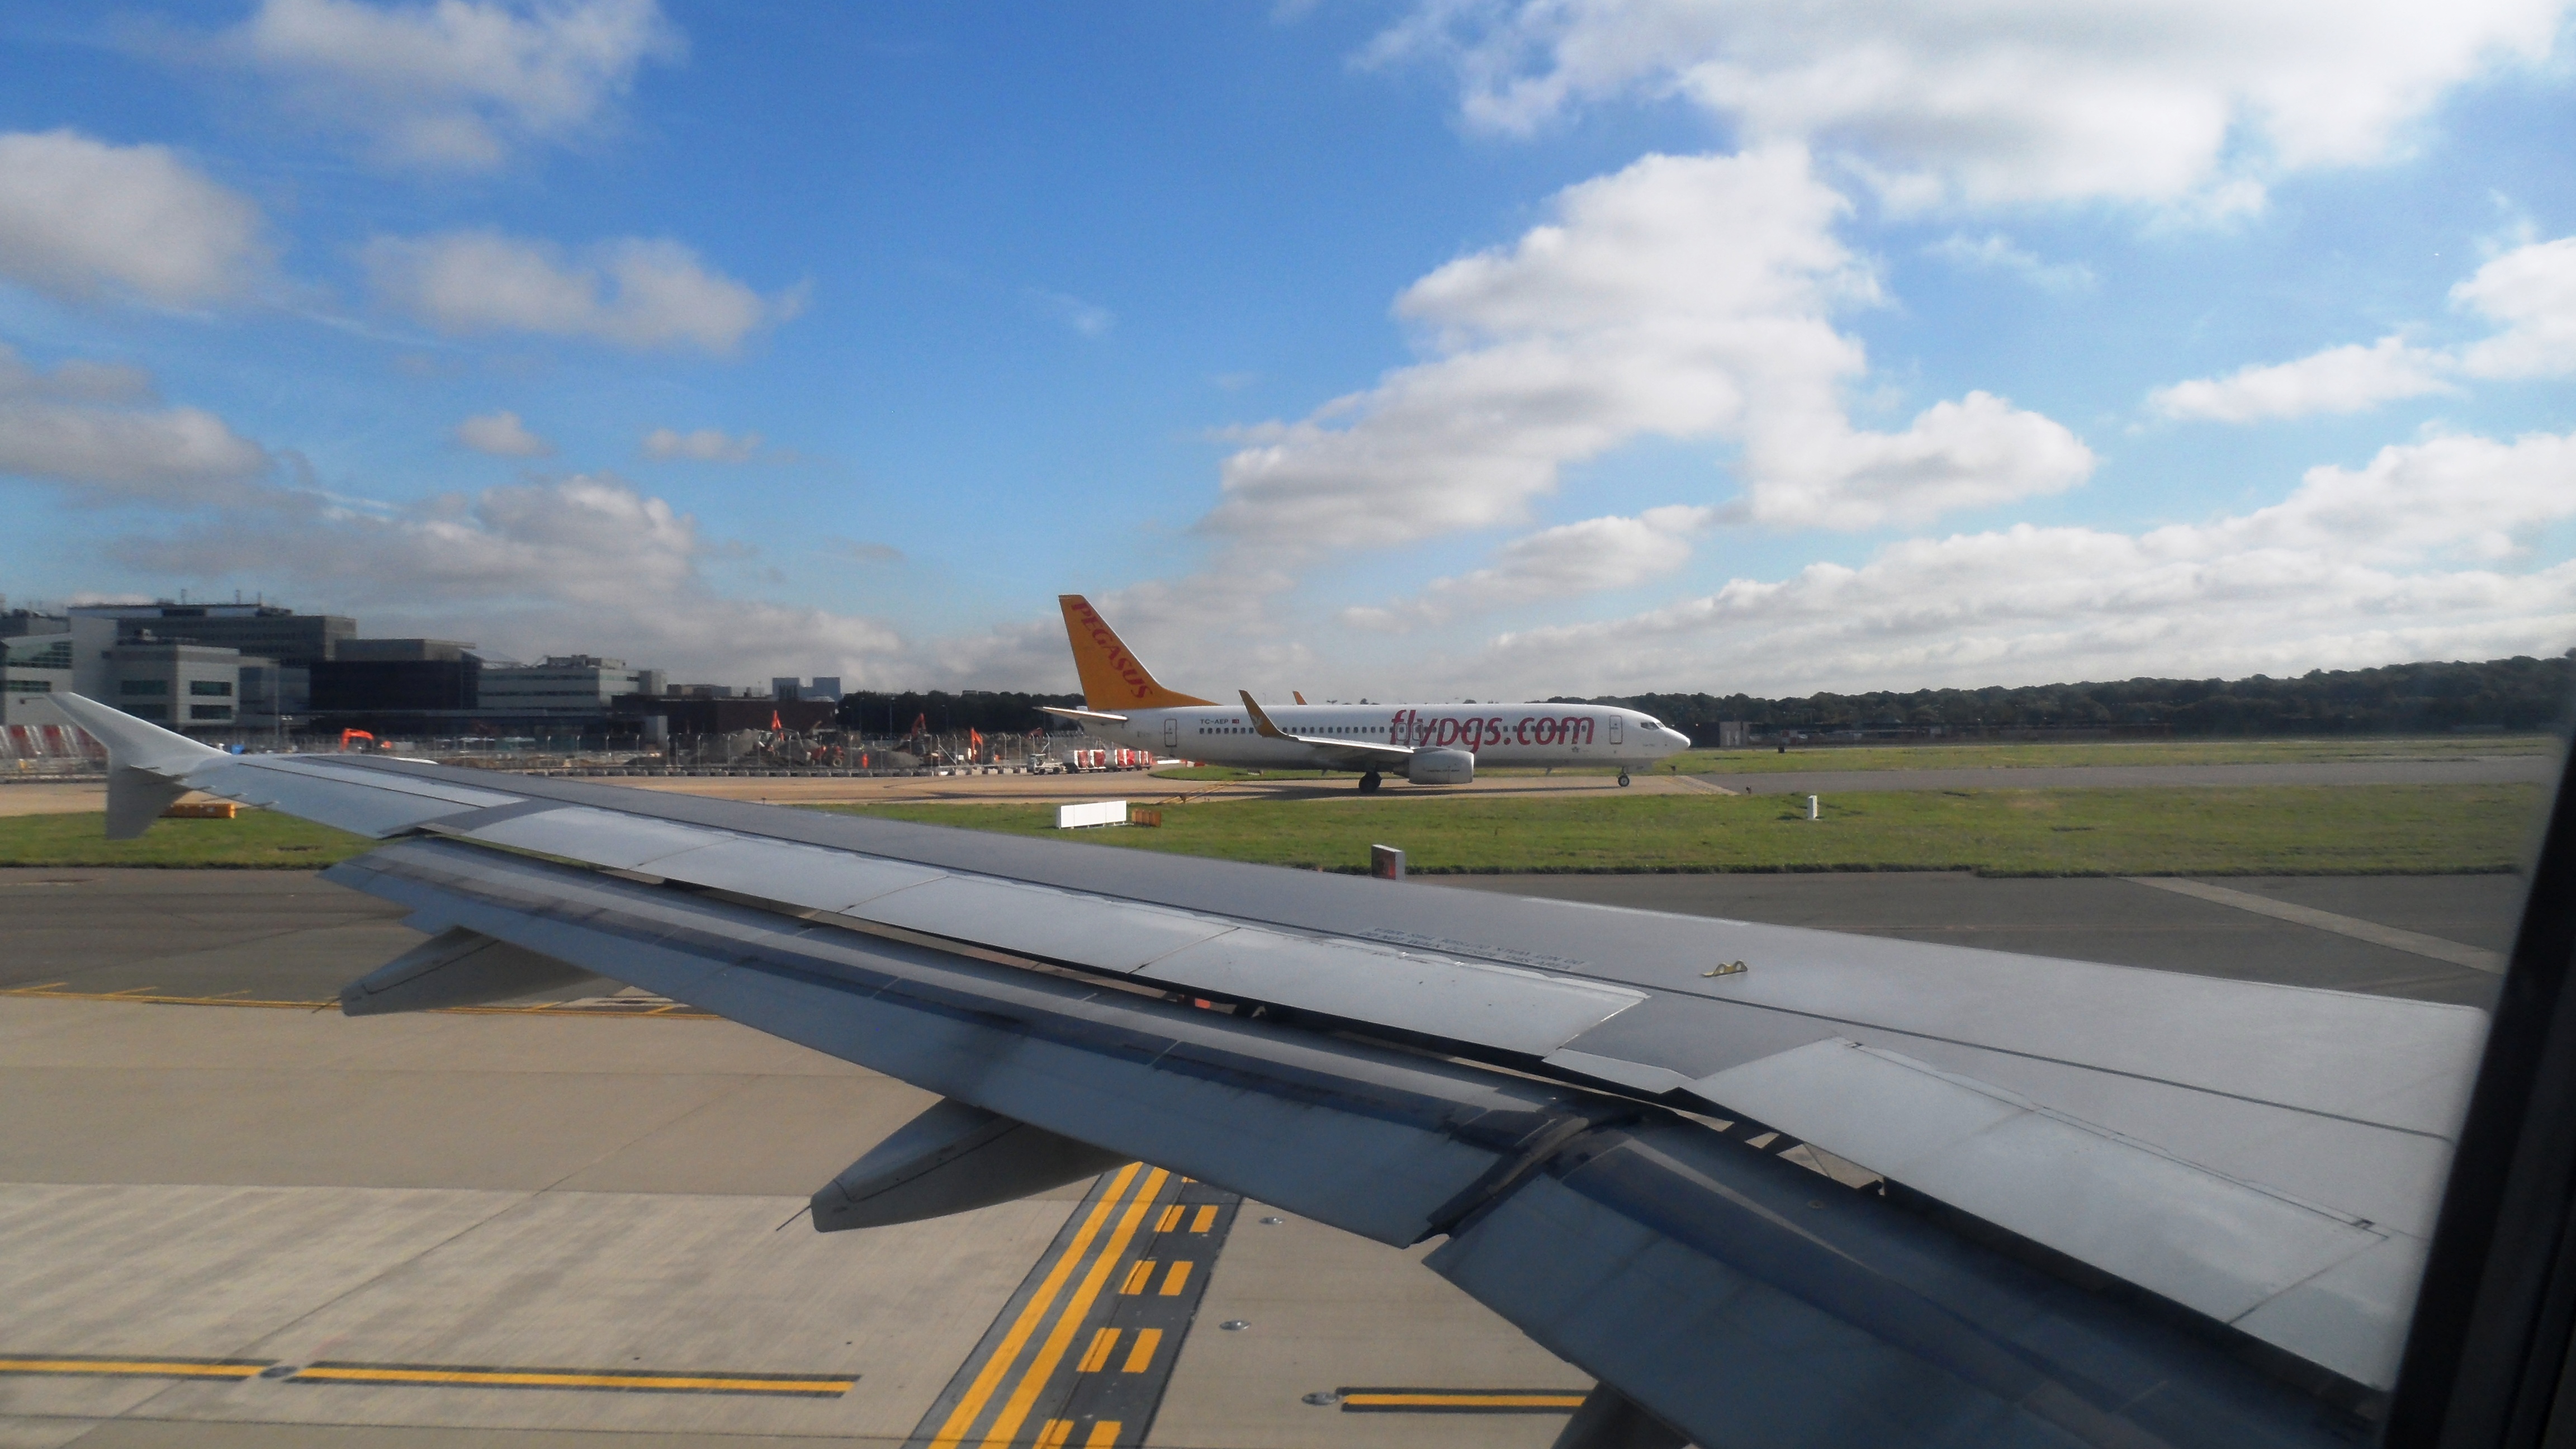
(971, 1406)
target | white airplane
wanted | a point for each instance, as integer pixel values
(1432, 744)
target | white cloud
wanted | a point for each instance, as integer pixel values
(457, 83)
(1088, 318)
(502, 435)
(585, 562)
(1973, 453)
(1683, 297)
(705, 445)
(2405, 558)
(79, 217)
(1995, 252)
(2346, 379)
(2531, 291)
(92, 427)
(1551, 565)
(657, 293)
(2145, 100)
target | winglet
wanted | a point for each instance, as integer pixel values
(144, 762)
(1260, 721)
(1112, 677)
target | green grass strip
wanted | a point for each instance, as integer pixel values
(2253, 830)
(253, 840)
(2353, 749)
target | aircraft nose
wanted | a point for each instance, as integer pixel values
(1678, 743)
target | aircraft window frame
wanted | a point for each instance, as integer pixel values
(2487, 1354)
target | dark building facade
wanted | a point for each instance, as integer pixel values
(389, 686)
(265, 630)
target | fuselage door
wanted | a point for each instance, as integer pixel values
(1614, 729)
(1172, 734)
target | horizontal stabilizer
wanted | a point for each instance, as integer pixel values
(456, 967)
(947, 1160)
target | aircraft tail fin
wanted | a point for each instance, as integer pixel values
(1112, 677)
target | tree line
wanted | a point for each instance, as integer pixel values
(993, 712)
(2521, 693)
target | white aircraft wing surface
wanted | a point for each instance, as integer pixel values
(2100, 1205)
(1336, 753)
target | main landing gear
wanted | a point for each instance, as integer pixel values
(1623, 779)
(1369, 783)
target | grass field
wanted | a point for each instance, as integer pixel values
(2006, 756)
(255, 840)
(2267, 830)
(2108, 752)
(2255, 830)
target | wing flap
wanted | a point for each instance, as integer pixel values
(1042, 922)
(2214, 1244)
(1744, 1303)
(1493, 1006)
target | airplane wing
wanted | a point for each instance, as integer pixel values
(1337, 754)
(1100, 716)
(2076, 1203)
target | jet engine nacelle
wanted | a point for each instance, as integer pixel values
(1440, 767)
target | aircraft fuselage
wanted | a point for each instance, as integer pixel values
(1498, 735)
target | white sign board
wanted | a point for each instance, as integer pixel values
(1097, 812)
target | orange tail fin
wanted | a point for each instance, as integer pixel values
(1112, 678)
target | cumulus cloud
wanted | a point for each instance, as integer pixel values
(1973, 453)
(456, 83)
(502, 435)
(96, 431)
(585, 562)
(1553, 564)
(705, 445)
(2407, 557)
(2531, 292)
(2337, 380)
(1683, 297)
(2141, 100)
(80, 217)
(633, 292)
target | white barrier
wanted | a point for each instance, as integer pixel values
(1097, 812)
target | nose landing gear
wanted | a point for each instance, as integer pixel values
(1623, 779)
(1369, 783)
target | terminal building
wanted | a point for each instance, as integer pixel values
(256, 673)
(565, 684)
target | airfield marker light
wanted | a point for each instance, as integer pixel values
(1812, 812)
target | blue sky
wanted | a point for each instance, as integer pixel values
(1452, 348)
